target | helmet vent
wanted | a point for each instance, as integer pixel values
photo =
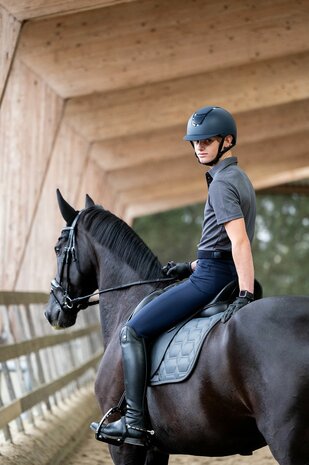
(198, 119)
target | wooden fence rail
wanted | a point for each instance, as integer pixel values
(39, 369)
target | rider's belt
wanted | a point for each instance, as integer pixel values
(223, 254)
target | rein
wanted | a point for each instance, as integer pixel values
(69, 256)
(118, 288)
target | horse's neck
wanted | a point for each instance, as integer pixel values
(116, 309)
(116, 306)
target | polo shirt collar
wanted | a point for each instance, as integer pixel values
(220, 167)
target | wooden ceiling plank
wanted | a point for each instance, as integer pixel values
(280, 173)
(157, 172)
(148, 108)
(143, 42)
(287, 172)
(253, 126)
(133, 211)
(183, 189)
(272, 122)
(29, 9)
(184, 186)
(272, 152)
(190, 186)
(266, 164)
(133, 150)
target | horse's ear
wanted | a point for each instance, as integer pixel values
(66, 210)
(89, 202)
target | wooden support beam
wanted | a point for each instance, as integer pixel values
(131, 211)
(258, 156)
(159, 205)
(27, 9)
(26, 141)
(287, 189)
(9, 31)
(186, 186)
(65, 171)
(147, 200)
(166, 104)
(128, 151)
(144, 42)
(267, 164)
(94, 182)
(281, 172)
(164, 144)
(134, 206)
(273, 122)
(143, 176)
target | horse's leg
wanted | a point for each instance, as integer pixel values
(131, 455)
(156, 458)
(288, 436)
(128, 455)
(289, 446)
(283, 418)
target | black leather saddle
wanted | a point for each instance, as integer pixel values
(225, 297)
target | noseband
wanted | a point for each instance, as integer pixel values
(81, 303)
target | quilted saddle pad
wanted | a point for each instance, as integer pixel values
(174, 353)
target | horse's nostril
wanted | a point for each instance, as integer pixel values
(57, 315)
(52, 316)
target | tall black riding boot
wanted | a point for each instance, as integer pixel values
(131, 428)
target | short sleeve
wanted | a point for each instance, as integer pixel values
(225, 201)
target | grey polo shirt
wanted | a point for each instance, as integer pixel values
(230, 196)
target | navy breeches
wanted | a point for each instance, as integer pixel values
(185, 299)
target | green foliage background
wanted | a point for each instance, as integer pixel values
(280, 248)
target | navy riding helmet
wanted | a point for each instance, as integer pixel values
(209, 122)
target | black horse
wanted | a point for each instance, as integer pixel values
(250, 387)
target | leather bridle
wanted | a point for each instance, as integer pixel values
(69, 256)
(68, 303)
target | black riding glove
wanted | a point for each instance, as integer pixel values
(238, 303)
(177, 270)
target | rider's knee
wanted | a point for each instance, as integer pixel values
(128, 333)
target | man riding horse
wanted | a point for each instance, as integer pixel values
(224, 254)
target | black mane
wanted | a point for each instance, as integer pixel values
(119, 238)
